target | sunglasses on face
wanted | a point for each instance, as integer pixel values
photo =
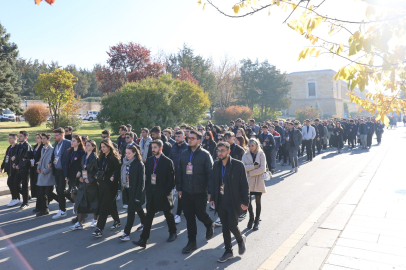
(128, 138)
(220, 139)
(192, 139)
(104, 137)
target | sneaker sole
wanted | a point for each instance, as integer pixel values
(125, 240)
(111, 229)
(97, 236)
(226, 259)
(184, 252)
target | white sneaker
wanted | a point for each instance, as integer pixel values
(293, 170)
(124, 237)
(60, 214)
(125, 206)
(217, 223)
(12, 203)
(296, 170)
(77, 226)
(94, 223)
(178, 219)
(118, 196)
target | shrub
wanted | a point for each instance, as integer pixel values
(36, 114)
(225, 115)
(307, 113)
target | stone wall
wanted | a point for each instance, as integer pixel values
(84, 105)
(330, 95)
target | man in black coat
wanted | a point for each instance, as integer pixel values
(122, 130)
(370, 131)
(156, 135)
(236, 151)
(22, 166)
(193, 182)
(379, 131)
(267, 144)
(160, 180)
(230, 195)
(176, 150)
(7, 166)
(351, 133)
(319, 134)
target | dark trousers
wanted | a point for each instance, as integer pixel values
(369, 139)
(170, 220)
(229, 224)
(309, 148)
(179, 210)
(285, 154)
(61, 189)
(21, 184)
(125, 195)
(132, 208)
(33, 181)
(318, 145)
(195, 206)
(379, 137)
(101, 221)
(314, 147)
(268, 158)
(280, 151)
(45, 196)
(15, 194)
(303, 147)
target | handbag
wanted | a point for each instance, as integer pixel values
(267, 175)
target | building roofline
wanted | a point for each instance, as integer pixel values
(297, 72)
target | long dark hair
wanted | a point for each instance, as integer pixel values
(109, 144)
(79, 140)
(93, 143)
(208, 133)
(242, 142)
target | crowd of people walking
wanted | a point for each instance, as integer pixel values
(223, 166)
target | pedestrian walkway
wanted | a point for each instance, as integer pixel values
(367, 228)
(4, 190)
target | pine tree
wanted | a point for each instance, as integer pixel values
(10, 83)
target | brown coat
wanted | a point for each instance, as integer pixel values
(255, 181)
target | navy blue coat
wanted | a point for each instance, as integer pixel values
(66, 144)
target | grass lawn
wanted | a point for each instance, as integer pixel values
(91, 129)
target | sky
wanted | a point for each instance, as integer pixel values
(80, 32)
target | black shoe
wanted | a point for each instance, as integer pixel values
(141, 243)
(210, 231)
(74, 220)
(23, 206)
(256, 225)
(228, 255)
(42, 213)
(35, 210)
(172, 237)
(241, 246)
(272, 171)
(189, 247)
(250, 222)
(97, 233)
(115, 226)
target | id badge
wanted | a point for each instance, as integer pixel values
(7, 159)
(153, 179)
(189, 168)
(84, 174)
(56, 159)
(222, 189)
(32, 162)
(127, 181)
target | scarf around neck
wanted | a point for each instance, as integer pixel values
(126, 162)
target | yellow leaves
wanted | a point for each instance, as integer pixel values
(291, 24)
(317, 53)
(370, 11)
(269, 12)
(340, 49)
(236, 9)
(199, 2)
(307, 52)
(204, 6)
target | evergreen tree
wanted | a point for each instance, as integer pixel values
(10, 84)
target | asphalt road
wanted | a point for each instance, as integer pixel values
(27, 242)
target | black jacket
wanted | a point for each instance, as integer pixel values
(74, 162)
(174, 155)
(351, 131)
(23, 155)
(160, 193)
(136, 184)
(379, 128)
(120, 141)
(237, 151)
(236, 180)
(319, 131)
(209, 146)
(166, 150)
(370, 128)
(269, 141)
(10, 152)
(111, 168)
(199, 181)
(87, 200)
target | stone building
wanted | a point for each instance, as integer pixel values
(318, 89)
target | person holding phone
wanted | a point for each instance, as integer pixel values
(255, 165)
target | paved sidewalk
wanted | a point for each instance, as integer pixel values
(367, 228)
(3, 186)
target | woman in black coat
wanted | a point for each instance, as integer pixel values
(74, 154)
(33, 169)
(132, 178)
(339, 135)
(109, 163)
(209, 144)
(87, 200)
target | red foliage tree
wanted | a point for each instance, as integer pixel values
(185, 75)
(127, 62)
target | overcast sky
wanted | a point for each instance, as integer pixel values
(80, 32)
